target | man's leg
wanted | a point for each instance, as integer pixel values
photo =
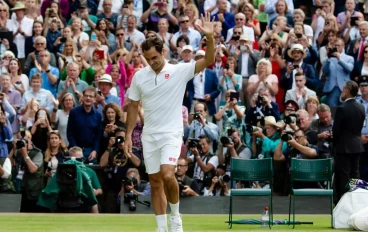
(158, 200)
(171, 187)
(342, 174)
(354, 162)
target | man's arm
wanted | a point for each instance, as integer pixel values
(307, 151)
(278, 152)
(209, 57)
(72, 123)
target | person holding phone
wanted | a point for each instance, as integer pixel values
(230, 80)
(40, 129)
(231, 114)
(351, 32)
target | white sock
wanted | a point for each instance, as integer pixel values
(161, 222)
(174, 209)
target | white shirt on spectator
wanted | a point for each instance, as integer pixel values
(43, 97)
(137, 36)
(82, 37)
(162, 96)
(210, 3)
(7, 169)
(198, 83)
(116, 6)
(272, 78)
(198, 173)
(307, 29)
(319, 29)
(19, 40)
(294, 72)
(354, 33)
(244, 64)
(138, 11)
(248, 31)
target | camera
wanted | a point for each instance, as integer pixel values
(131, 198)
(331, 51)
(261, 99)
(226, 140)
(119, 140)
(298, 35)
(194, 143)
(292, 118)
(235, 38)
(251, 129)
(224, 178)
(63, 40)
(21, 143)
(181, 186)
(227, 66)
(197, 116)
(129, 181)
(288, 135)
(295, 66)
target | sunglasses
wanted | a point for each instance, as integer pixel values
(365, 52)
(122, 34)
(39, 44)
(3, 10)
(237, 33)
(184, 21)
(239, 19)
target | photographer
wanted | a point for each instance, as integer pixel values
(231, 146)
(187, 186)
(260, 107)
(218, 188)
(266, 143)
(298, 148)
(29, 169)
(338, 67)
(303, 123)
(323, 126)
(200, 126)
(116, 164)
(133, 183)
(205, 162)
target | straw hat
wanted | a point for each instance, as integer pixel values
(297, 47)
(106, 78)
(18, 6)
(271, 121)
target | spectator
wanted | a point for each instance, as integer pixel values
(343, 17)
(59, 117)
(263, 80)
(356, 47)
(105, 12)
(189, 186)
(351, 32)
(104, 97)
(304, 123)
(338, 68)
(311, 107)
(42, 96)
(78, 35)
(84, 126)
(240, 21)
(36, 31)
(281, 9)
(50, 74)
(163, 28)
(230, 80)
(193, 35)
(301, 93)
(73, 84)
(88, 21)
(250, 14)
(55, 153)
(20, 81)
(132, 34)
(40, 129)
(70, 50)
(270, 8)
(6, 185)
(30, 110)
(299, 17)
(217, 188)
(227, 19)
(143, 187)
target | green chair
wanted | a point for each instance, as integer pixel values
(251, 170)
(310, 171)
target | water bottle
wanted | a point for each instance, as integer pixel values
(265, 218)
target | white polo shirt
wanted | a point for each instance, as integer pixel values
(162, 96)
(19, 40)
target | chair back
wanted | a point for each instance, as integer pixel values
(311, 170)
(251, 169)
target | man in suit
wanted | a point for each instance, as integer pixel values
(346, 135)
(298, 53)
(338, 67)
(249, 57)
(203, 88)
(356, 47)
(301, 93)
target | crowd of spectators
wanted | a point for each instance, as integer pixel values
(279, 70)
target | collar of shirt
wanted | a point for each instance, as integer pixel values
(349, 99)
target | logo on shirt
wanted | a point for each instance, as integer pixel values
(167, 76)
(172, 159)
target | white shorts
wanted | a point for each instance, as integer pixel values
(163, 148)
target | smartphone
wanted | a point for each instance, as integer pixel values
(42, 115)
(159, 4)
(234, 95)
(99, 92)
(100, 53)
(354, 20)
(63, 40)
(296, 66)
(299, 36)
(49, 169)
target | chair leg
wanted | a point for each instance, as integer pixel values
(293, 212)
(270, 221)
(331, 200)
(230, 213)
(289, 208)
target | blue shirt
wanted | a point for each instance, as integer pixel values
(45, 80)
(228, 23)
(108, 99)
(6, 130)
(365, 125)
(84, 128)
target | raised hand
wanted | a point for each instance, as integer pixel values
(207, 25)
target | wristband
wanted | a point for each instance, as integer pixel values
(48, 70)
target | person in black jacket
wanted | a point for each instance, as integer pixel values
(346, 132)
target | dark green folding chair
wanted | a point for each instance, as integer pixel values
(310, 171)
(251, 170)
